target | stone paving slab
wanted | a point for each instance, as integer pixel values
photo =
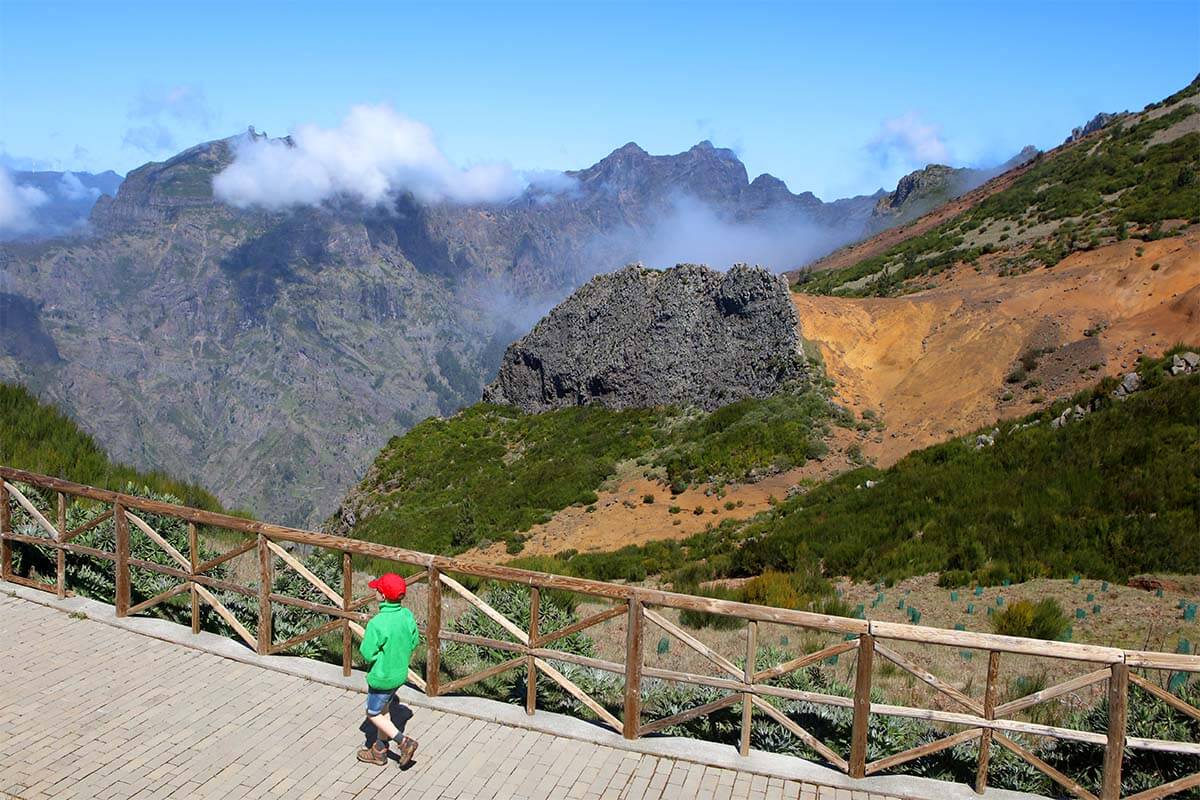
(92, 710)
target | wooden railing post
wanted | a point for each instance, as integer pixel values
(266, 577)
(347, 601)
(194, 558)
(989, 712)
(60, 577)
(862, 706)
(433, 632)
(535, 611)
(121, 584)
(631, 727)
(5, 529)
(1114, 749)
(748, 674)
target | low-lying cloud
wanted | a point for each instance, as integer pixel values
(909, 141)
(691, 231)
(374, 155)
(17, 202)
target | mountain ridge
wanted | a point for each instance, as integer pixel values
(271, 354)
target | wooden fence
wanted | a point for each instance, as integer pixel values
(984, 720)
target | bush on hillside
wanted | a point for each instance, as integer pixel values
(1041, 620)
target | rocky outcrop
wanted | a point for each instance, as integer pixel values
(687, 336)
(925, 189)
(1097, 122)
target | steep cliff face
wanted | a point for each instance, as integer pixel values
(686, 336)
(270, 355)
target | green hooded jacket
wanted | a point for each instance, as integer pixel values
(388, 644)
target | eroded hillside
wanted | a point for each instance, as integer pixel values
(949, 359)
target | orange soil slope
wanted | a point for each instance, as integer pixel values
(934, 362)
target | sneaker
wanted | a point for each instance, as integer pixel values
(376, 754)
(408, 746)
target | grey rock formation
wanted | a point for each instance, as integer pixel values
(1101, 120)
(1129, 384)
(637, 337)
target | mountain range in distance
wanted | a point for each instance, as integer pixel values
(271, 354)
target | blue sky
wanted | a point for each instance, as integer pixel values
(838, 99)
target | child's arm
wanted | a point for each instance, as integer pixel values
(372, 643)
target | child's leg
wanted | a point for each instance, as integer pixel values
(386, 729)
(377, 714)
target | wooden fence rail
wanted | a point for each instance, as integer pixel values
(754, 690)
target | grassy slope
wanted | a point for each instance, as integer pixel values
(491, 472)
(1112, 495)
(39, 438)
(1086, 195)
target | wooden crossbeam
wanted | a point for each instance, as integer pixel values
(801, 734)
(595, 619)
(1177, 785)
(692, 642)
(29, 507)
(491, 613)
(483, 674)
(1066, 687)
(928, 748)
(579, 694)
(930, 679)
(305, 573)
(227, 615)
(158, 598)
(246, 547)
(300, 638)
(804, 661)
(167, 547)
(1049, 771)
(417, 577)
(87, 526)
(1165, 696)
(691, 713)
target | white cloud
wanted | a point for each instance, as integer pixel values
(909, 140)
(373, 155)
(17, 203)
(70, 187)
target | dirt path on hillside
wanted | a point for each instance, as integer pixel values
(934, 363)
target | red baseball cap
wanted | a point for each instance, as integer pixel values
(390, 585)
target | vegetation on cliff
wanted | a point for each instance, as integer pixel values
(491, 472)
(1129, 179)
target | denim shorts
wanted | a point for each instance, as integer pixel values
(378, 700)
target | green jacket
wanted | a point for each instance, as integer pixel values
(388, 644)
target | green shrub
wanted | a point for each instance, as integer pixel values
(1041, 620)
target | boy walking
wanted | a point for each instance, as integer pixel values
(387, 645)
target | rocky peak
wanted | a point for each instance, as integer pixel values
(637, 337)
(934, 179)
(156, 192)
(1097, 122)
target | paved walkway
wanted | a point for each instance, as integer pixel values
(88, 710)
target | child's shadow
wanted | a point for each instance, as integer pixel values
(400, 715)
